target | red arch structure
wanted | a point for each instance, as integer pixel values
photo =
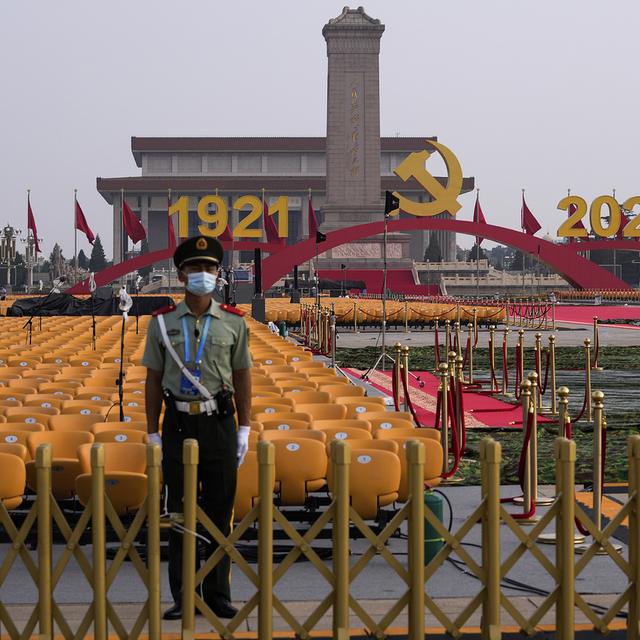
(563, 259)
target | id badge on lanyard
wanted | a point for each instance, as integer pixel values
(186, 386)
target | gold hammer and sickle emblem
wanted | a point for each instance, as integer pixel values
(444, 198)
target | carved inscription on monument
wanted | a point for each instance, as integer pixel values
(354, 125)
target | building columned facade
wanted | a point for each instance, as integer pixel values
(233, 167)
(347, 172)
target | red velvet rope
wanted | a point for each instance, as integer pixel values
(454, 441)
(394, 387)
(518, 361)
(492, 366)
(584, 405)
(543, 388)
(467, 350)
(463, 426)
(436, 425)
(522, 468)
(409, 403)
(505, 364)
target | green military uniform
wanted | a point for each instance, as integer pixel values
(225, 349)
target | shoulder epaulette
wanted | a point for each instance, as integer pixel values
(230, 309)
(163, 310)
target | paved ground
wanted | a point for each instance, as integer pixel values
(567, 335)
(376, 587)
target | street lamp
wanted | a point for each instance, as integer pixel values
(8, 248)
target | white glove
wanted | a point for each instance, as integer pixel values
(243, 443)
(154, 438)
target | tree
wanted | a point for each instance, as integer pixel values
(433, 253)
(56, 260)
(474, 252)
(97, 261)
(83, 261)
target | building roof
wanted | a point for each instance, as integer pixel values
(246, 184)
(257, 144)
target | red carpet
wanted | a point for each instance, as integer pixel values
(481, 411)
(584, 314)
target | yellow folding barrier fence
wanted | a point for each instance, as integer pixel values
(101, 617)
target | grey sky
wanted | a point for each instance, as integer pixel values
(541, 95)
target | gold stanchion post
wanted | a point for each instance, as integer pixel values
(596, 344)
(405, 373)
(444, 411)
(587, 372)
(505, 347)
(527, 497)
(552, 359)
(456, 337)
(565, 549)
(599, 424)
(633, 621)
(43, 507)
(190, 466)
(490, 460)
(538, 499)
(154, 472)
(266, 480)
(98, 543)
(415, 556)
(341, 456)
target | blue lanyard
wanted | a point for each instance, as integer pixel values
(201, 343)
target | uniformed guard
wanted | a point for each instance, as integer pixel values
(197, 359)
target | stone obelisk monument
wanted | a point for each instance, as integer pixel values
(353, 139)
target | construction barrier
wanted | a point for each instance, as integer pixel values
(102, 614)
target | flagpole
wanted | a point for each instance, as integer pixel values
(168, 206)
(614, 251)
(124, 245)
(309, 233)
(523, 253)
(477, 256)
(75, 236)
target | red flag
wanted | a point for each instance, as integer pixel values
(81, 224)
(269, 225)
(478, 216)
(226, 235)
(171, 232)
(132, 226)
(31, 224)
(623, 223)
(313, 221)
(578, 225)
(529, 223)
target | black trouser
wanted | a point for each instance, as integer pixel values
(217, 474)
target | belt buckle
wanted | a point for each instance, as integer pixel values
(194, 408)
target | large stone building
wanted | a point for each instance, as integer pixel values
(347, 172)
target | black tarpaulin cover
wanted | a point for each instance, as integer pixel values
(62, 304)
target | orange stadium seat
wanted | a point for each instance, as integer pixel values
(374, 480)
(12, 480)
(125, 479)
(64, 466)
(323, 411)
(15, 449)
(301, 465)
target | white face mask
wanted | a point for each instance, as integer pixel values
(201, 283)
